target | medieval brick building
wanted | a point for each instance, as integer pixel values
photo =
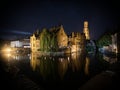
(55, 38)
(58, 38)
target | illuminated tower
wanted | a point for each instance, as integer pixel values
(86, 30)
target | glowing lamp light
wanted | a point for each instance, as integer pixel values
(8, 55)
(8, 49)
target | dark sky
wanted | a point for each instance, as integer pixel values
(20, 18)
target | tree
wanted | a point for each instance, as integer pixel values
(48, 41)
(104, 40)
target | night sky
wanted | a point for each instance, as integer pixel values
(22, 18)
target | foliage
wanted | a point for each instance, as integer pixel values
(90, 46)
(104, 40)
(48, 41)
(46, 67)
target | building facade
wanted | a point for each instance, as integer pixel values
(62, 38)
(49, 39)
(77, 41)
(34, 43)
(23, 43)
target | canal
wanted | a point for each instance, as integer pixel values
(58, 72)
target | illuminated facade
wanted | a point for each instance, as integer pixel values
(24, 43)
(56, 36)
(77, 41)
(62, 38)
(48, 66)
(114, 43)
(34, 42)
(86, 30)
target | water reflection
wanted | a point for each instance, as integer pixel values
(74, 61)
(62, 66)
(87, 65)
(110, 59)
(52, 66)
(10, 56)
(59, 69)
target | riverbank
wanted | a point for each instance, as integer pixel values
(14, 80)
(106, 80)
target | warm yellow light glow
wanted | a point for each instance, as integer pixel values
(8, 55)
(87, 65)
(7, 50)
(86, 30)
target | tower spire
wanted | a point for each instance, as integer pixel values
(86, 30)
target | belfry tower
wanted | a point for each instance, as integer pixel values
(86, 30)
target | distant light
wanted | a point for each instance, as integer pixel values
(68, 58)
(8, 55)
(8, 50)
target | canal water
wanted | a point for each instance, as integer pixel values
(57, 72)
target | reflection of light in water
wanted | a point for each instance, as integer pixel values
(48, 67)
(45, 58)
(68, 58)
(8, 55)
(62, 67)
(7, 50)
(76, 62)
(106, 58)
(74, 56)
(61, 59)
(30, 57)
(109, 59)
(17, 57)
(33, 61)
(87, 65)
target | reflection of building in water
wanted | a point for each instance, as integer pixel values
(75, 62)
(50, 66)
(20, 57)
(13, 57)
(44, 65)
(62, 66)
(34, 62)
(109, 59)
(87, 62)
